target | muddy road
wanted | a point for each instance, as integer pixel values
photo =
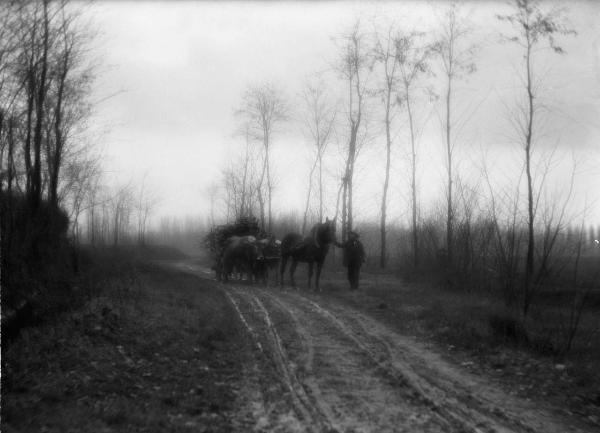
(321, 366)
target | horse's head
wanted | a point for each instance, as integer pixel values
(325, 232)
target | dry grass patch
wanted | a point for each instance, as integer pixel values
(156, 351)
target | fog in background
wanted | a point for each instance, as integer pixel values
(173, 75)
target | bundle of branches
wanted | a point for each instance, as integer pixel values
(243, 226)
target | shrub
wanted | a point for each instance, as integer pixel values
(37, 263)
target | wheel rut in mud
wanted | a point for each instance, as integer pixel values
(325, 366)
(344, 371)
(335, 381)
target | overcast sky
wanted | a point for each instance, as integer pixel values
(177, 70)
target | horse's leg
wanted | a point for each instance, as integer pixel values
(264, 275)
(310, 273)
(226, 270)
(284, 260)
(292, 270)
(318, 276)
(350, 275)
(236, 272)
(275, 269)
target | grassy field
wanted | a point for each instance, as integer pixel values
(151, 351)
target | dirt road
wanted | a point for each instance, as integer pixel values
(322, 366)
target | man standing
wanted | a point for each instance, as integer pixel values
(353, 258)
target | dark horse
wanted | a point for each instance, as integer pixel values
(307, 250)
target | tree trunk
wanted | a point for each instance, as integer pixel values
(7, 222)
(261, 198)
(11, 156)
(1, 145)
(27, 150)
(344, 206)
(269, 185)
(383, 253)
(92, 227)
(530, 223)
(58, 135)
(37, 137)
(350, 191)
(243, 205)
(270, 192)
(310, 177)
(116, 228)
(321, 187)
(450, 212)
(415, 235)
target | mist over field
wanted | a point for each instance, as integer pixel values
(180, 72)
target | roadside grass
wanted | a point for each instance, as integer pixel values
(152, 350)
(477, 331)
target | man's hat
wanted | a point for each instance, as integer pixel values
(352, 234)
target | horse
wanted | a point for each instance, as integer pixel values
(308, 250)
(271, 257)
(240, 253)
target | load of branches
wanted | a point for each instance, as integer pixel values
(214, 241)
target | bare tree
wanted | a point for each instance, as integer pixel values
(38, 87)
(95, 200)
(121, 207)
(145, 204)
(241, 184)
(263, 109)
(353, 68)
(44, 85)
(456, 58)
(533, 27)
(318, 121)
(45, 76)
(504, 214)
(384, 54)
(9, 49)
(413, 58)
(71, 75)
(81, 177)
(245, 201)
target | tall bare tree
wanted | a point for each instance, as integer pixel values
(384, 55)
(353, 68)
(71, 76)
(40, 90)
(534, 27)
(46, 75)
(456, 58)
(264, 108)
(413, 56)
(318, 121)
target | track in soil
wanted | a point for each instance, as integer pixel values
(339, 370)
